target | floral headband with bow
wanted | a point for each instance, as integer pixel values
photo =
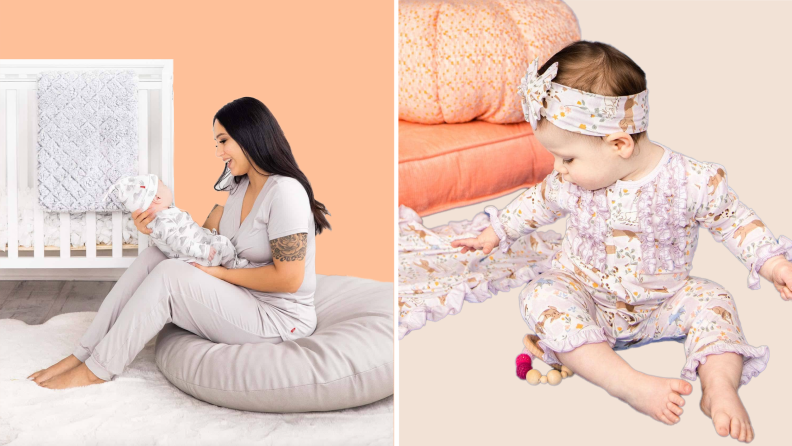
(580, 111)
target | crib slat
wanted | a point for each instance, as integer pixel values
(65, 237)
(32, 137)
(38, 232)
(166, 149)
(117, 234)
(22, 140)
(11, 169)
(38, 213)
(90, 234)
(143, 149)
(143, 96)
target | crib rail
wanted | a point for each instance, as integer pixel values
(22, 81)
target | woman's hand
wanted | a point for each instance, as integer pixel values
(216, 271)
(141, 219)
(782, 278)
(487, 240)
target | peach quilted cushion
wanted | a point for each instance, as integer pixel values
(444, 166)
(463, 60)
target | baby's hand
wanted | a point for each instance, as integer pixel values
(487, 240)
(782, 278)
(211, 253)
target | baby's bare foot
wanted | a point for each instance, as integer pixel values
(660, 398)
(65, 364)
(720, 402)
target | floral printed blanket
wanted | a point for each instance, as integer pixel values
(435, 279)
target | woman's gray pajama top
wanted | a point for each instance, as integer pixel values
(282, 208)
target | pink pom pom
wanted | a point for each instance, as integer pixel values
(523, 358)
(523, 365)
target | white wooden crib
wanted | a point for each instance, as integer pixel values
(18, 164)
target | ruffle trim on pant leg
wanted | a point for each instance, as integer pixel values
(754, 359)
(590, 334)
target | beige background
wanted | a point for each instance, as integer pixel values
(718, 75)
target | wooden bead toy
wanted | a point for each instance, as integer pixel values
(533, 376)
(553, 377)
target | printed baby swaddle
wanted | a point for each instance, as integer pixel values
(175, 233)
(178, 236)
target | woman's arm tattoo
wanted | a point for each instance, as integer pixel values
(290, 247)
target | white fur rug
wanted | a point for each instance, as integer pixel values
(142, 408)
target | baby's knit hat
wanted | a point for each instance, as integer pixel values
(135, 192)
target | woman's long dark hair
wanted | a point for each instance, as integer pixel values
(249, 122)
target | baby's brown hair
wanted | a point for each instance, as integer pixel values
(598, 68)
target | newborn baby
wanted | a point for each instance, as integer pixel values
(174, 231)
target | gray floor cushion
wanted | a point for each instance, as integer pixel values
(347, 362)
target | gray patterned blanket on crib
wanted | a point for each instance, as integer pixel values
(87, 136)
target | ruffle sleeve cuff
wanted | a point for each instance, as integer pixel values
(763, 254)
(494, 215)
(755, 360)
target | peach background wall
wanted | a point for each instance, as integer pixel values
(324, 69)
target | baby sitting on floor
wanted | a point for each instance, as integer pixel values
(174, 231)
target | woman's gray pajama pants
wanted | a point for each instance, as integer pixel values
(156, 290)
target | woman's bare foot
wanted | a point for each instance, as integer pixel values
(660, 398)
(720, 402)
(77, 377)
(65, 364)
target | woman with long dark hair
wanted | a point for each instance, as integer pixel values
(272, 219)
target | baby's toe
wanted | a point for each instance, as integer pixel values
(681, 386)
(662, 417)
(670, 416)
(721, 422)
(743, 432)
(674, 408)
(676, 399)
(736, 427)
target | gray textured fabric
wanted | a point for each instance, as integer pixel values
(87, 136)
(348, 361)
